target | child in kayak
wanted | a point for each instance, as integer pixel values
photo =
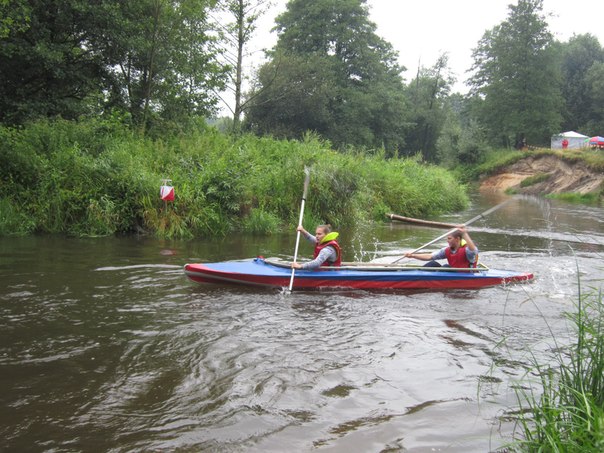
(461, 252)
(327, 250)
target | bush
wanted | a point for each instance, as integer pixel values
(95, 179)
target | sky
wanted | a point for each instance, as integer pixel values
(420, 30)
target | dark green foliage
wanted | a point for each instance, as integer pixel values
(473, 144)
(151, 59)
(517, 78)
(57, 180)
(13, 221)
(45, 68)
(331, 74)
(582, 95)
(594, 80)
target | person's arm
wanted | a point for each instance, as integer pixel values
(466, 237)
(439, 255)
(419, 256)
(309, 237)
(328, 253)
(471, 249)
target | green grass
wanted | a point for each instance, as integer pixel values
(96, 179)
(497, 160)
(561, 404)
(535, 179)
(578, 198)
(13, 222)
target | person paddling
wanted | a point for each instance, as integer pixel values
(461, 251)
(327, 250)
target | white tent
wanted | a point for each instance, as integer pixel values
(575, 140)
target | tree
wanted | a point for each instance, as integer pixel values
(14, 16)
(594, 80)
(330, 72)
(291, 97)
(428, 93)
(48, 65)
(163, 60)
(517, 77)
(150, 58)
(578, 56)
(236, 35)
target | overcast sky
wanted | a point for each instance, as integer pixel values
(420, 30)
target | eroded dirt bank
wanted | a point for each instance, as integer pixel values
(562, 177)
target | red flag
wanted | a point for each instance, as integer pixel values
(167, 193)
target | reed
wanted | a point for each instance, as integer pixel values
(13, 222)
(563, 409)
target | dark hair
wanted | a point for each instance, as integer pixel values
(457, 234)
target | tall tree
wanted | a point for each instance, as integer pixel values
(163, 60)
(151, 58)
(595, 85)
(237, 35)
(517, 77)
(428, 93)
(578, 56)
(48, 63)
(331, 73)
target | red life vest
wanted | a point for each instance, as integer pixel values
(336, 246)
(459, 258)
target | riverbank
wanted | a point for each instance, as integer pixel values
(549, 172)
(97, 178)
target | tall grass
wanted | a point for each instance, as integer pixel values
(563, 410)
(97, 178)
(586, 198)
(13, 222)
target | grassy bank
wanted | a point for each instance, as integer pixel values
(98, 178)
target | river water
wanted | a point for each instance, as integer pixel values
(106, 346)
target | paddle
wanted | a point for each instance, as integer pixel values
(306, 183)
(479, 216)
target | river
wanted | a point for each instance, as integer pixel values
(106, 346)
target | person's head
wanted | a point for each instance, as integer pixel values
(454, 239)
(322, 231)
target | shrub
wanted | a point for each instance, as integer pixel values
(93, 179)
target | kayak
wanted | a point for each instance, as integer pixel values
(276, 273)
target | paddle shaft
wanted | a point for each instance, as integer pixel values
(306, 184)
(479, 216)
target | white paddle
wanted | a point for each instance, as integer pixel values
(479, 216)
(306, 183)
